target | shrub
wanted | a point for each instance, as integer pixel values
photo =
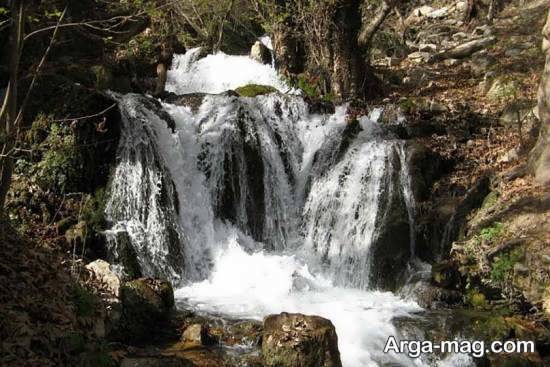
(502, 267)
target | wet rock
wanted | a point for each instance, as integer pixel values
(431, 297)
(146, 307)
(197, 335)
(254, 90)
(296, 340)
(260, 53)
(102, 270)
(156, 362)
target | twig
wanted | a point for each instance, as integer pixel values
(38, 69)
(87, 117)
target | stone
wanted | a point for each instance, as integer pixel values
(461, 6)
(427, 47)
(296, 340)
(452, 62)
(502, 88)
(393, 61)
(419, 56)
(513, 52)
(439, 13)
(520, 269)
(423, 11)
(260, 53)
(510, 156)
(147, 305)
(102, 271)
(481, 63)
(196, 335)
(464, 50)
(459, 36)
(438, 107)
(155, 362)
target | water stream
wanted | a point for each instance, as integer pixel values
(257, 206)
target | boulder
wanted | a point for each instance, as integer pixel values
(260, 53)
(147, 305)
(296, 340)
(102, 271)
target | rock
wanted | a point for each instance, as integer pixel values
(459, 36)
(423, 11)
(502, 88)
(463, 50)
(146, 307)
(438, 107)
(393, 61)
(427, 47)
(431, 297)
(254, 90)
(296, 340)
(439, 13)
(520, 269)
(461, 6)
(546, 302)
(260, 53)
(513, 52)
(196, 335)
(155, 362)
(480, 63)
(484, 30)
(102, 271)
(452, 62)
(419, 56)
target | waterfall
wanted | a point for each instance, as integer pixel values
(256, 205)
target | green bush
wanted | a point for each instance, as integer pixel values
(58, 168)
(502, 267)
(493, 232)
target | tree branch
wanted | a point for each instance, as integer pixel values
(367, 32)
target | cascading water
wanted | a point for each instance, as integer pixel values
(256, 206)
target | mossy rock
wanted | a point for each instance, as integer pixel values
(296, 340)
(254, 90)
(147, 306)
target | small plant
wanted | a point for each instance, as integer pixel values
(503, 265)
(491, 233)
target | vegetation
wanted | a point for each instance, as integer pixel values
(253, 90)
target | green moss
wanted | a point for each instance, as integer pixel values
(253, 90)
(476, 299)
(490, 200)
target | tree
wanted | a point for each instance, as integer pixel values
(540, 155)
(9, 120)
(330, 39)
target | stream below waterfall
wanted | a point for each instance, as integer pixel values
(255, 205)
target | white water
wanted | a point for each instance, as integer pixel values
(219, 73)
(314, 220)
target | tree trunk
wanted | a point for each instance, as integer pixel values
(8, 115)
(348, 66)
(539, 161)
